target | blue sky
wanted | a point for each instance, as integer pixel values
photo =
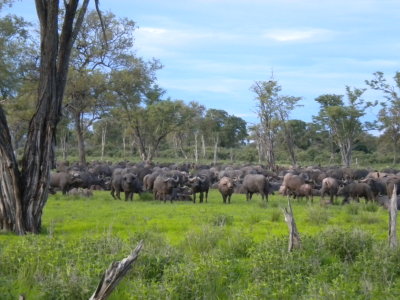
(214, 50)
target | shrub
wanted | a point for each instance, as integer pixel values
(347, 245)
(317, 215)
(202, 241)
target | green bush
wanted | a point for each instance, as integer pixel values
(346, 245)
(318, 215)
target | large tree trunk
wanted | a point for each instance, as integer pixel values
(24, 194)
(11, 218)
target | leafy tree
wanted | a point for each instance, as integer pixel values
(234, 132)
(94, 55)
(16, 54)
(389, 114)
(134, 89)
(273, 111)
(343, 121)
(18, 74)
(86, 102)
(24, 188)
(301, 132)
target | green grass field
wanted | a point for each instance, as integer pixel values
(203, 251)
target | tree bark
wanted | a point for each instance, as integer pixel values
(80, 138)
(294, 236)
(24, 193)
(11, 216)
(113, 275)
(393, 219)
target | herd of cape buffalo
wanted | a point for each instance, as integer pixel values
(183, 181)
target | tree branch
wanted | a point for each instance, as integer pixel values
(113, 275)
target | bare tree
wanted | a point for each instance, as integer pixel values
(24, 187)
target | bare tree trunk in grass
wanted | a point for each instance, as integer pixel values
(294, 237)
(393, 218)
(113, 275)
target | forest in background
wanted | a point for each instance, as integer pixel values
(115, 109)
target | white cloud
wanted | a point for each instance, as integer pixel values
(164, 36)
(204, 85)
(161, 42)
(293, 35)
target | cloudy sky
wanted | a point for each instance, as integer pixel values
(214, 50)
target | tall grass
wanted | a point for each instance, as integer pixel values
(202, 251)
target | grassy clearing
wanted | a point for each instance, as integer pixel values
(203, 251)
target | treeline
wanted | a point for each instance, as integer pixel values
(114, 107)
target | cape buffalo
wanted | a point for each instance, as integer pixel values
(225, 187)
(164, 186)
(126, 182)
(64, 181)
(355, 190)
(255, 183)
(329, 186)
(291, 184)
(201, 185)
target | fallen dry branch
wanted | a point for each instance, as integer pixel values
(393, 218)
(113, 275)
(294, 237)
